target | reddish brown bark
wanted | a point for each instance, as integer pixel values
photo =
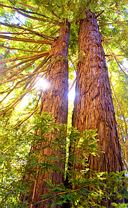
(55, 102)
(93, 107)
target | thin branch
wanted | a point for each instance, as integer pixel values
(15, 102)
(125, 164)
(55, 15)
(123, 119)
(23, 68)
(27, 29)
(16, 65)
(99, 13)
(28, 6)
(55, 32)
(11, 33)
(108, 39)
(25, 119)
(19, 71)
(13, 88)
(18, 49)
(26, 40)
(41, 54)
(119, 108)
(30, 82)
(25, 75)
(116, 61)
(23, 10)
(114, 43)
(61, 193)
(42, 63)
(17, 140)
(114, 55)
(30, 74)
(48, 28)
(11, 190)
(37, 103)
(123, 66)
(22, 28)
(72, 84)
(32, 17)
(80, 13)
(114, 22)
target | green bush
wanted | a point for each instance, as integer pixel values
(85, 188)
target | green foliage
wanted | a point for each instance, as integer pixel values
(119, 205)
(44, 130)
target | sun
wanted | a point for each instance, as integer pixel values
(41, 84)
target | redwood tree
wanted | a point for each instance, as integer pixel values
(55, 102)
(93, 107)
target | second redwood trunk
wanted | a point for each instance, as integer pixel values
(93, 108)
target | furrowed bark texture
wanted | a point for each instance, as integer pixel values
(55, 102)
(93, 108)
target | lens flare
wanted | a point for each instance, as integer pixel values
(41, 84)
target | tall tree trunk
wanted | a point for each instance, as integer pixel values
(93, 107)
(55, 102)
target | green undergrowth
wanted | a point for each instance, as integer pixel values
(85, 187)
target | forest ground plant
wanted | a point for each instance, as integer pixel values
(89, 187)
